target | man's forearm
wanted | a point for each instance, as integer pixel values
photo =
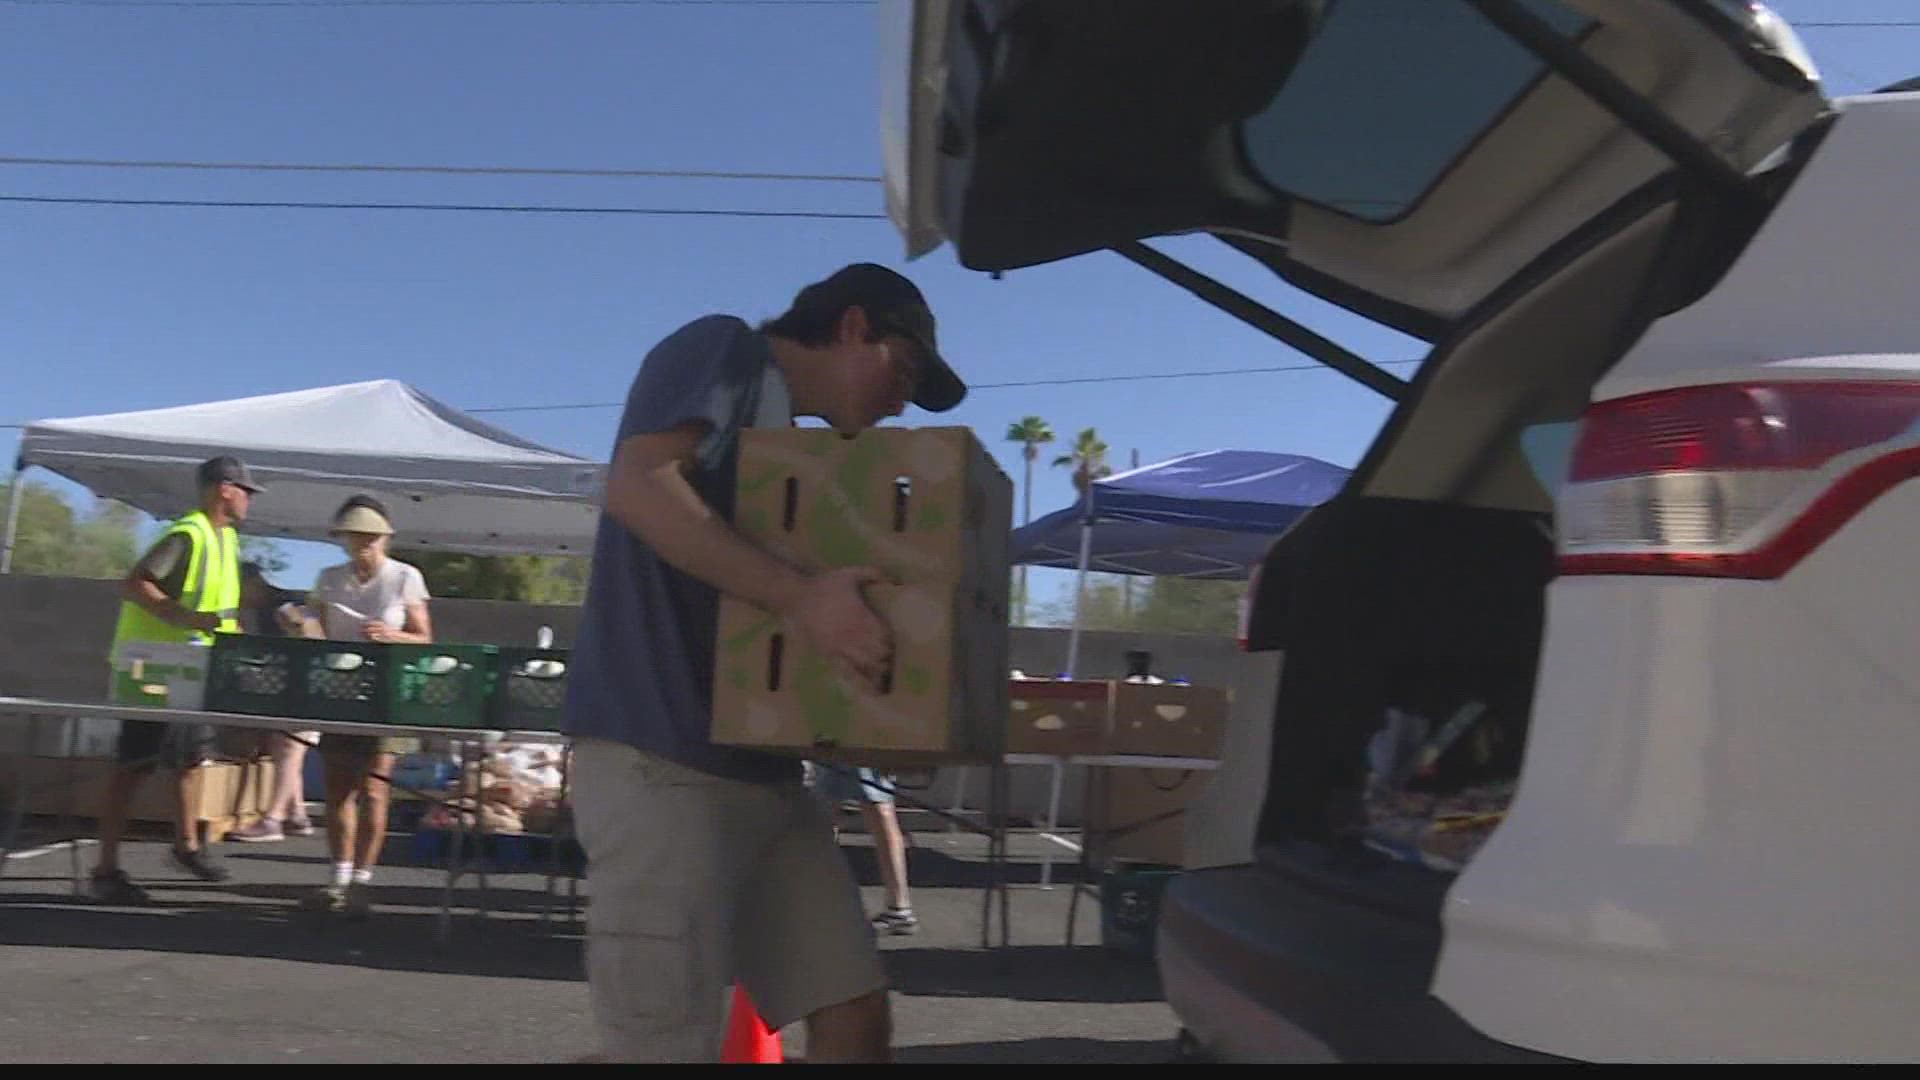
(665, 512)
(148, 596)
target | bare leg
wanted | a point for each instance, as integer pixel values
(343, 799)
(854, 1032)
(289, 754)
(186, 818)
(113, 820)
(372, 837)
(890, 850)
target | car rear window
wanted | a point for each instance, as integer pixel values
(1387, 96)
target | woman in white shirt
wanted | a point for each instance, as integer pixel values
(370, 597)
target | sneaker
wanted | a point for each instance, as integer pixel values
(201, 865)
(264, 831)
(359, 901)
(118, 889)
(896, 922)
(300, 826)
(329, 900)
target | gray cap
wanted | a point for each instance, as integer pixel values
(227, 470)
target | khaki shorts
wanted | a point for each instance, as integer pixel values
(699, 882)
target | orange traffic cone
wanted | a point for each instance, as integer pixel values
(749, 1041)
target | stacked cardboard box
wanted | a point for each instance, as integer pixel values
(1168, 720)
(1140, 814)
(929, 509)
(1061, 717)
(232, 794)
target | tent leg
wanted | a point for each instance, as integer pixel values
(1079, 599)
(13, 520)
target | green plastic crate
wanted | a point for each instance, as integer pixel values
(439, 685)
(296, 677)
(529, 689)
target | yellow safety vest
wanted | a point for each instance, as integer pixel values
(212, 583)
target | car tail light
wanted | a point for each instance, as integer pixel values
(1739, 480)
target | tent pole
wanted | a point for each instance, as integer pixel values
(1126, 583)
(1080, 596)
(13, 518)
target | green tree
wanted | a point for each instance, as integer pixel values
(527, 579)
(54, 539)
(1178, 606)
(1102, 608)
(1170, 606)
(1031, 433)
(272, 558)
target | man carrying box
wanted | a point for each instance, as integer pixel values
(713, 866)
(186, 588)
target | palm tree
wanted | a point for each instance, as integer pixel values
(1088, 459)
(1030, 432)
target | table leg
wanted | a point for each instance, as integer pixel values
(484, 900)
(1053, 823)
(17, 813)
(443, 930)
(1093, 825)
(556, 838)
(1001, 798)
(68, 824)
(959, 798)
(995, 868)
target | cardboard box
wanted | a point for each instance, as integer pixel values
(930, 509)
(160, 674)
(1059, 717)
(1142, 813)
(942, 703)
(1165, 720)
(231, 794)
(918, 504)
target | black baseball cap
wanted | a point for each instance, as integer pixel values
(894, 306)
(227, 470)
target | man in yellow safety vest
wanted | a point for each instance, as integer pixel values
(186, 588)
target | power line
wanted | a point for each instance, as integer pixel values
(431, 3)
(1812, 24)
(644, 211)
(1021, 384)
(583, 405)
(445, 170)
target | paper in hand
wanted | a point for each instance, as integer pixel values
(346, 612)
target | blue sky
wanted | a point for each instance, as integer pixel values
(105, 309)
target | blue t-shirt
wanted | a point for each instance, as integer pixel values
(642, 665)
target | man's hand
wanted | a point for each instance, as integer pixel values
(831, 612)
(206, 621)
(376, 630)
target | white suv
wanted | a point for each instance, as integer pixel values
(1682, 660)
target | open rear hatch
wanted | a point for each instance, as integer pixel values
(1402, 158)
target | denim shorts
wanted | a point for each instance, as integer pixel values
(840, 784)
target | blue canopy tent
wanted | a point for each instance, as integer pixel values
(1210, 515)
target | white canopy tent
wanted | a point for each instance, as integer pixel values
(453, 482)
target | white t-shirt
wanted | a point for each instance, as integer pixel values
(384, 596)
